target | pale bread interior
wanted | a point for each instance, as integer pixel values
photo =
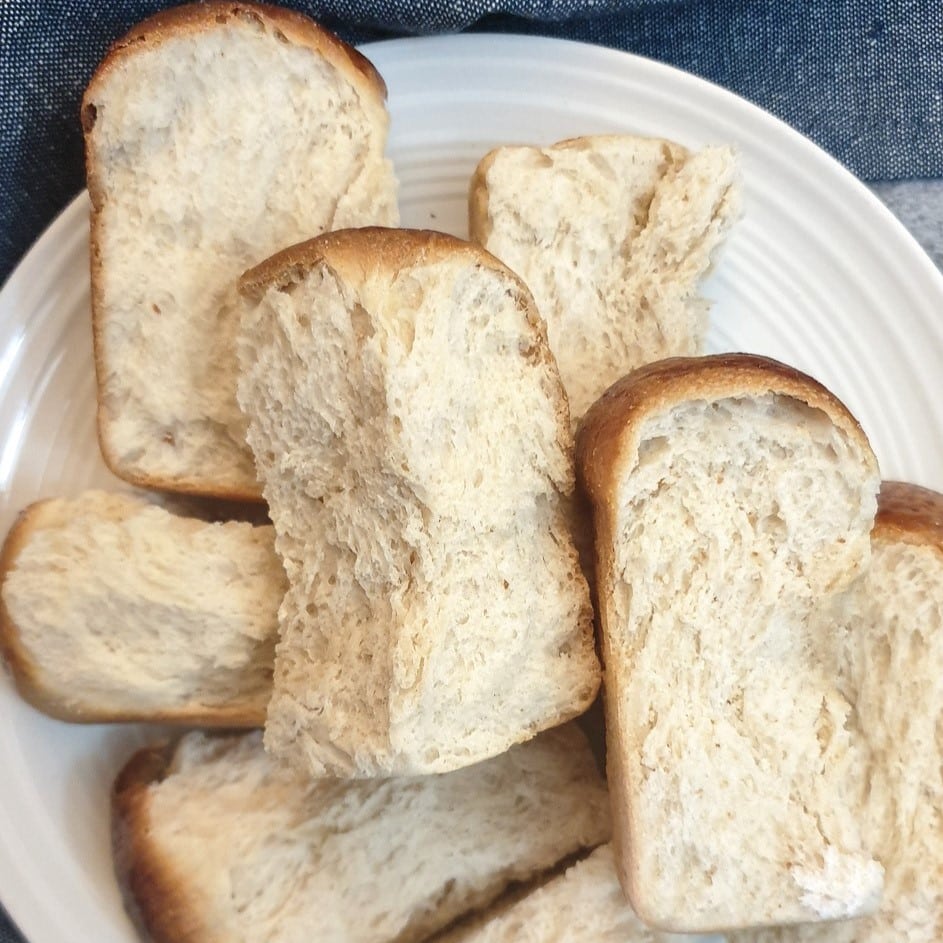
(612, 234)
(123, 610)
(585, 904)
(733, 520)
(887, 627)
(411, 433)
(261, 852)
(208, 151)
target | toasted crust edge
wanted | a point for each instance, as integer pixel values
(356, 252)
(287, 25)
(910, 514)
(155, 898)
(605, 437)
(609, 427)
(28, 685)
(195, 487)
(353, 253)
(28, 678)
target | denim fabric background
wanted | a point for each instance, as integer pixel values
(862, 78)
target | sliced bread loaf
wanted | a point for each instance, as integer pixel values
(412, 436)
(216, 133)
(216, 842)
(112, 609)
(732, 498)
(611, 234)
(585, 904)
(890, 635)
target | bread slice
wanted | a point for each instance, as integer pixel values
(215, 134)
(612, 234)
(891, 645)
(732, 499)
(585, 904)
(412, 435)
(217, 842)
(112, 609)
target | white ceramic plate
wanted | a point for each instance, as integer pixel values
(817, 273)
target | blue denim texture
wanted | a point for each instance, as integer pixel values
(862, 78)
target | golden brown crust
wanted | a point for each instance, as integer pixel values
(909, 514)
(154, 895)
(354, 253)
(286, 26)
(195, 487)
(34, 689)
(610, 427)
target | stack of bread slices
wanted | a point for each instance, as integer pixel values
(470, 470)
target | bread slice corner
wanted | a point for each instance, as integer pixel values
(613, 234)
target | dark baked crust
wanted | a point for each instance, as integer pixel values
(910, 514)
(155, 897)
(354, 253)
(28, 676)
(286, 26)
(609, 428)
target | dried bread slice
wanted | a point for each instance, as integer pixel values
(218, 842)
(412, 435)
(612, 234)
(585, 904)
(215, 134)
(732, 498)
(890, 645)
(113, 609)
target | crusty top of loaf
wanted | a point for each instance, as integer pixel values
(354, 253)
(909, 514)
(198, 17)
(608, 433)
(359, 251)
